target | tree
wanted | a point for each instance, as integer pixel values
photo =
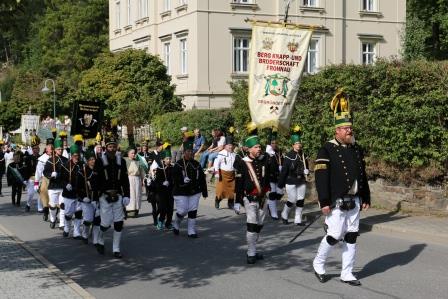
(426, 34)
(133, 85)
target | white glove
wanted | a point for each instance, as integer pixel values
(125, 201)
(69, 187)
(54, 174)
(279, 168)
(166, 183)
(25, 183)
(306, 172)
(217, 175)
(187, 180)
(236, 208)
(36, 187)
(86, 200)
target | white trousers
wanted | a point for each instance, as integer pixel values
(111, 212)
(275, 188)
(185, 204)
(135, 188)
(339, 223)
(30, 195)
(254, 215)
(71, 206)
(295, 193)
(88, 211)
(55, 196)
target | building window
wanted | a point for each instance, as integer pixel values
(310, 3)
(166, 5)
(166, 56)
(183, 57)
(117, 15)
(312, 59)
(243, 1)
(183, 2)
(142, 9)
(368, 52)
(240, 54)
(368, 5)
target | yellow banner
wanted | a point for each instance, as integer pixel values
(277, 58)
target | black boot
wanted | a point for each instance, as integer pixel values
(100, 248)
(217, 203)
(251, 259)
(45, 215)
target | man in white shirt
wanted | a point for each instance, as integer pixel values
(225, 174)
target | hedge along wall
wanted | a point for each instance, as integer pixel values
(400, 115)
(169, 124)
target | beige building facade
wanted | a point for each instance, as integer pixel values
(205, 43)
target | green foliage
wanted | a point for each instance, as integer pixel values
(132, 84)
(426, 34)
(169, 124)
(400, 113)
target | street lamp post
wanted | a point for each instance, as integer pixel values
(45, 90)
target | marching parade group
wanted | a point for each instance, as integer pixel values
(86, 191)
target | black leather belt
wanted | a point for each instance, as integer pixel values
(111, 195)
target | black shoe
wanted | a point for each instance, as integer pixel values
(77, 238)
(52, 225)
(45, 217)
(216, 204)
(61, 228)
(100, 248)
(1, 194)
(85, 240)
(301, 224)
(321, 277)
(65, 234)
(354, 283)
(230, 206)
(40, 211)
(27, 208)
(18, 204)
(118, 255)
(175, 231)
(251, 259)
(275, 219)
(193, 236)
(259, 256)
(285, 221)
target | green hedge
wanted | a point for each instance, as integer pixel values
(400, 115)
(169, 124)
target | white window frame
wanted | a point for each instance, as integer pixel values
(368, 56)
(117, 15)
(167, 56)
(369, 5)
(183, 51)
(316, 52)
(143, 9)
(243, 1)
(310, 3)
(238, 54)
(166, 5)
(129, 12)
(183, 2)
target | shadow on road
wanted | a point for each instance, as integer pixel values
(389, 261)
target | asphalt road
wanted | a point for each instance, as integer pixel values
(161, 265)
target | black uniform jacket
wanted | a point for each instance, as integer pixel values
(11, 177)
(92, 183)
(244, 185)
(70, 174)
(31, 164)
(275, 161)
(194, 172)
(292, 169)
(54, 164)
(162, 176)
(336, 169)
(113, 175)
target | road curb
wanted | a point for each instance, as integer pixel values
(51, 267)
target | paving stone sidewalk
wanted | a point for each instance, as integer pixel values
(23, 275)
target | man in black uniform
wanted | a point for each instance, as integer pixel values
(188, 185)
(114, 189)
(149, 177)
(251, 189)
(292, 177)
(343, 190)
(275, 162)
(2, 164)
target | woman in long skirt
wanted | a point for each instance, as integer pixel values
(136, 174)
